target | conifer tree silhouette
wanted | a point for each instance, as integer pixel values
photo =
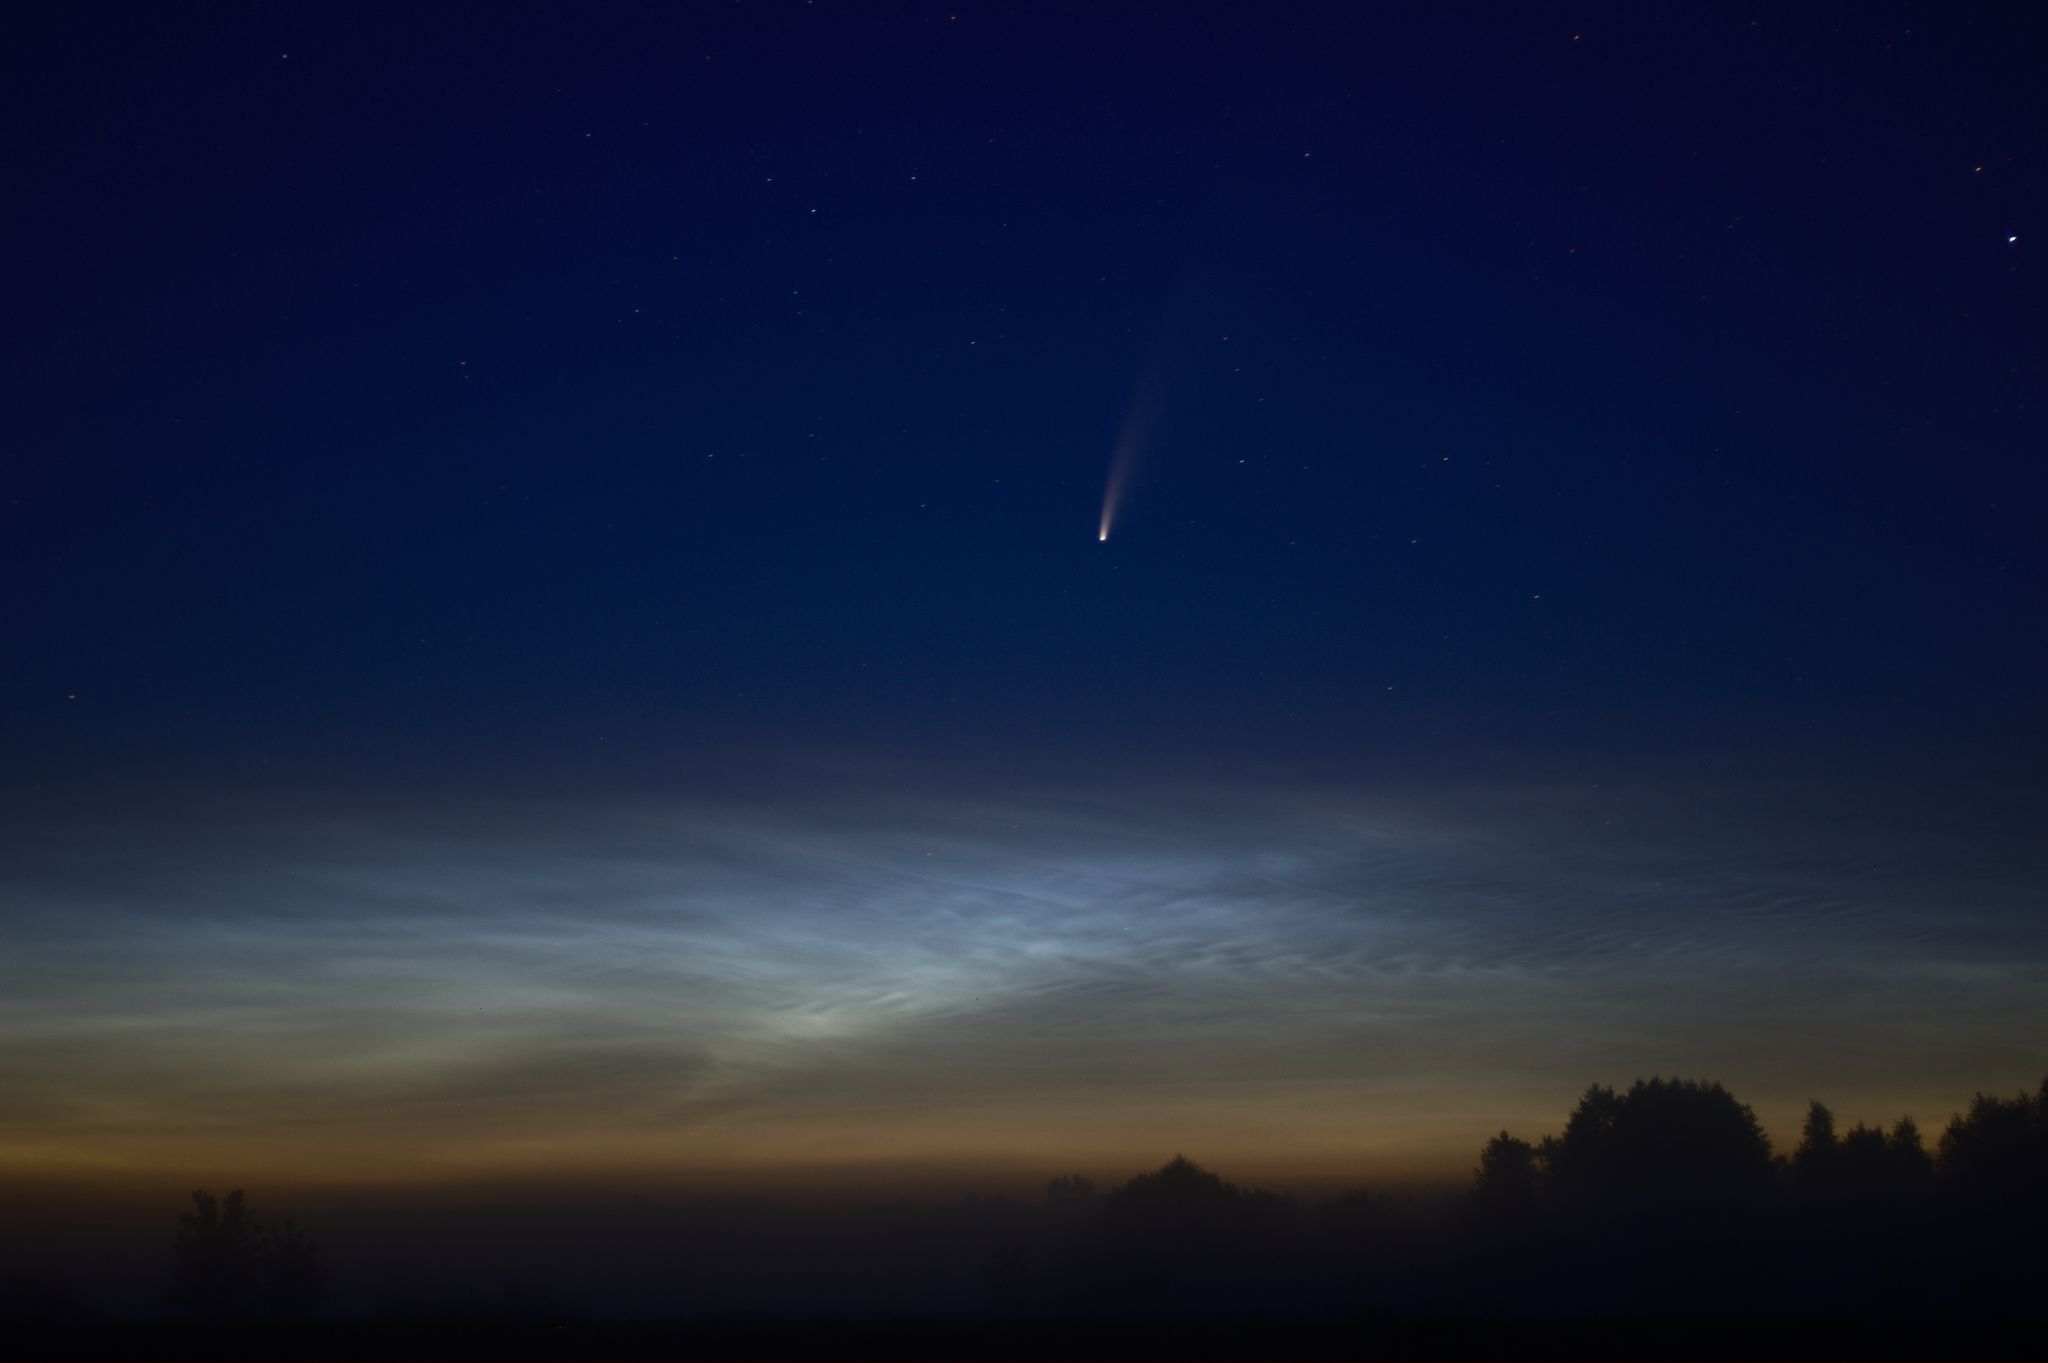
(226, 1265)
(290, 1276)
(214, 1272)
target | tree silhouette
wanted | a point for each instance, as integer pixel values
(1885, 1166)
(1863, 1168)
(1071, 1190)
(1006, 1273)
(1356, 1213)
(1815, 1162)
(1180, 1239)
(214, 1272)
(1992, 1162)
(1664, 1141)
(1180, 1195)
(1504, 1184)
(1998, 1151)
(290, 1275)
(227, 1265)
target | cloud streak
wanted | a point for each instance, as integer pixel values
(1293, 976)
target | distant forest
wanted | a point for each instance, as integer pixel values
(1663, 1200)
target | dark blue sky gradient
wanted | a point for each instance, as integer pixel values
(1595, 378)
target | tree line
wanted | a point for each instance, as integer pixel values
(1667, 1143)
(1664, 1198)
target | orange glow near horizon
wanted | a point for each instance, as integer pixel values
(1286, 986)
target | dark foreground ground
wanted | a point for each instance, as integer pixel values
(1359, 1339)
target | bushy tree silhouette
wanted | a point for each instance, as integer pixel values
(1653, 1196)
(1664, 1141)
(1992, 1164)
(1179, 1195)
(1181, 1239)
(1998, 1150)
(1504, 1185)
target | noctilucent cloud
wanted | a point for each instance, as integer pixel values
(1307, 979)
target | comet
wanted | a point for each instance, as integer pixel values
(1123, 463)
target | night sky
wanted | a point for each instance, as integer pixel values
(802, 595)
